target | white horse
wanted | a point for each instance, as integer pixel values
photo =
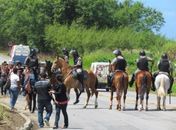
(162, 84)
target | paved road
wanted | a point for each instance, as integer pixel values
(105, 119)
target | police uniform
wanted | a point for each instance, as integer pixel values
(78, 68)
(32, 62)
(119, 64)
(164, 66)
(142, 64)
(66, 55)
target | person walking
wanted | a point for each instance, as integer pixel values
(42, 88)
(14, 88)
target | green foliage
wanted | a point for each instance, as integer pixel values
(2, 113)
(25, 21)
(92, 39)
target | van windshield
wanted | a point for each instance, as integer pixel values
(22, 50)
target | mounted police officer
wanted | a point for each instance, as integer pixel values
(164, 66)
(142, 64)
(32, 62)
(65, 54)
(78, 68)
(119, 64)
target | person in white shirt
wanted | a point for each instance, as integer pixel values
(14, 88)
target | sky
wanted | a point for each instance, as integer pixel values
(168, 9)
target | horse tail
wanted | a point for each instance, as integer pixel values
(122, 81)
(144, 81)
(161, 90)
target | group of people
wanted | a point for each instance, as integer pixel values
(20, 78)
(142, 63)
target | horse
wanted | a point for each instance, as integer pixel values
(162, 84)
(28, 86)
(120, 86)
(91, 81)
(143, 81)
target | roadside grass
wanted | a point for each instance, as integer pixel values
(2, 113)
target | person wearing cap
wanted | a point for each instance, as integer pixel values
(78, 68)
(142, 64)
(119, 64)
(164, 66)
(32, 62)
(65, 54)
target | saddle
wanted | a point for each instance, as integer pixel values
(165, 73)
(75, 74)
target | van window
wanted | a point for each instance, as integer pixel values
(22, 50)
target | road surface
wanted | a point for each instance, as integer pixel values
(104, 119)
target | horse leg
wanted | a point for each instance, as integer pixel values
(137, 97)
(68, 94)
(141, 102)
(34, 103)
(77, 96)
(164, 103)
(124, 98)
(147, 97)
(96, 97)
(118, 93)
(118, 102)
(158, 103)
(111, 99)
(88, 97)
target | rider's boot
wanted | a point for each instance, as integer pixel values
(81, 80)
(153, 82)
(109, 80)
(171, 83)
(132, 80)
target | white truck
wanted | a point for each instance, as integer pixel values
(101, 70)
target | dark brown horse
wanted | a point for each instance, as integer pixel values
(143, 81)
(120, 86)
(90, 83)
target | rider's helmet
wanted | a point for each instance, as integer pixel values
(142, 53)
(117, 52)
(74, 52)
(164, 56)
(65, 51)
(32, 52)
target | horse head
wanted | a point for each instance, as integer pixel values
(57, 64)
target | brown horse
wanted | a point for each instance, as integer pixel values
(120, 86)
(90, 83)
(143, 81)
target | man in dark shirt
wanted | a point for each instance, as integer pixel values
(42, 88)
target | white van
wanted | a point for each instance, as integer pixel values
(101, 70)
(19, 53)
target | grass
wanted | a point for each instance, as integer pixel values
(2, 113)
